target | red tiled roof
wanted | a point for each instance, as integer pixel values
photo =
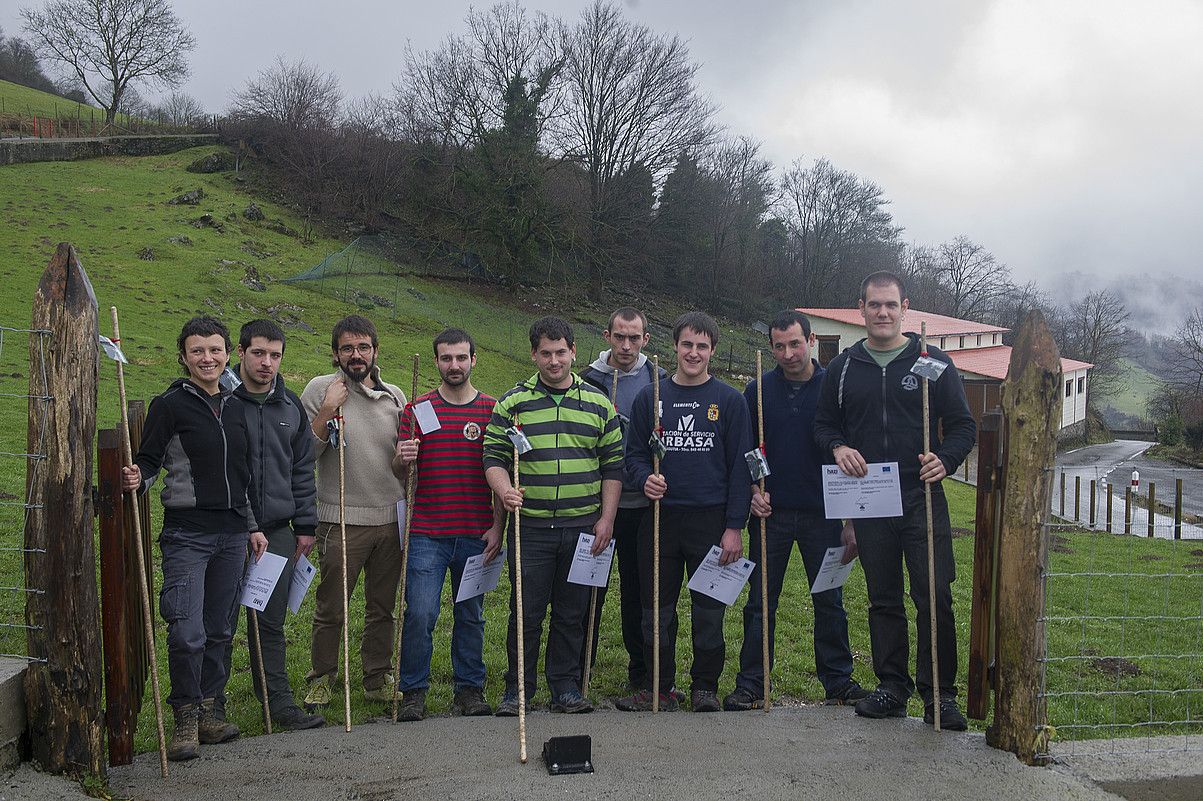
(938, 325)
(994, 362)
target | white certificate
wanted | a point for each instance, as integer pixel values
(587, 569)
(479, 578)
(832, 574)
(876, 494)
(260, 580)
(302, 577)
(722, 583)
(428, 420)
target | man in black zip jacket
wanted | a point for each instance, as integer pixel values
(871, 410)
(196, 433)
(281, 447)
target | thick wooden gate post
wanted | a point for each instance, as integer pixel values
(990, 449)
(1031, 403)
(62, 694)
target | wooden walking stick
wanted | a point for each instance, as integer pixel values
(148, 622)
(764, 540)
(931, 543)
(342, 528)
(591, 622)
(267, 712)
(411, 489)
(518, 613)
(656, 541)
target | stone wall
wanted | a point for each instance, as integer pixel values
(23, 151)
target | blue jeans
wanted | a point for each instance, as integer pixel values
(429, 560)
(201, 574)
(814, 535)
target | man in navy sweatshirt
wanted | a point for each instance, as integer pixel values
(704, 489)
(795, 488)
(871, 411)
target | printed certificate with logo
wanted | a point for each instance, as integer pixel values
(877, 494)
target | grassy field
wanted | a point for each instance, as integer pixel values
(1133, 395)
(21, 100)
(115, 209)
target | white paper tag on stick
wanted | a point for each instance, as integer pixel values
(111, 350)
(929, 368)
(758, 464)
(519, 439)
(428, 419)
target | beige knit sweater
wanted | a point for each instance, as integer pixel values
(370, 437)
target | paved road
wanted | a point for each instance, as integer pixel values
(816, 753)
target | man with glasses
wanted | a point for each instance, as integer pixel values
(371, 412)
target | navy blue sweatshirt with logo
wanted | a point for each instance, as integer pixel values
(706, 431)
(795, 480)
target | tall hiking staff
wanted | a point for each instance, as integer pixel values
(656, 540)
(148, 623)
(931, 540)
(590, 623)
(764, 540)
(267, 710)
(411, 489)
(341, 434)
(518, 611)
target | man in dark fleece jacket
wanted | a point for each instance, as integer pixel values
(281, 448)
(871, 410)
(705, 491)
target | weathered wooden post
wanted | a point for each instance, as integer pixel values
(1127, 510)
(62, 693)
(1109, 509)
(1152, 509)
(1092, 502)
(1031, 403)
(1077, 498)
(990, 462)
(1177, 508)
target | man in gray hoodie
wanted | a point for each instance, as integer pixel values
(627, 334)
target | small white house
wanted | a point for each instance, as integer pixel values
(975, 348)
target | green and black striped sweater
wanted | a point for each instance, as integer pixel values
(576, 444)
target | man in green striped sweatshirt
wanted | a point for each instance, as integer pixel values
(570, 479)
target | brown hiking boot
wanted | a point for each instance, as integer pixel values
(212, 726)
(185, 740)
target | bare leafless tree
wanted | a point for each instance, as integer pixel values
(971, 278)
(1096, 332)
(294, 94)
(108, 45)
(181, 109)
(1186, 349)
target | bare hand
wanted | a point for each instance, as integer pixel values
(131, 478)
(732, 544)
(492, 540)
(655, 487)
(258, 544)
(603, 531)
(760, 503)
(931, 468)
(850, 461)
(848, 539)
(407, 451)
(336, 393)
(511, 499)
(304, 545)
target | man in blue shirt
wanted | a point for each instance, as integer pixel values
(795, 516)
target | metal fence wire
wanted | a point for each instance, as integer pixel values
(20, 458)
(1123, 620)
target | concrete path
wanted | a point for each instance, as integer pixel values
(816, 753)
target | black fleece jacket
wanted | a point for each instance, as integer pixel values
(879, 411)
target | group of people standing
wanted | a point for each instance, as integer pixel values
(594, 453)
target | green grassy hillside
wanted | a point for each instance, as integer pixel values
(1137, 387)
(21, 100)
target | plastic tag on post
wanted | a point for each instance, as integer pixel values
(929, 368)
(657, 445)
(758, 465)
(111, 350)
(519, 439)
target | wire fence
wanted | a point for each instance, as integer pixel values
(21, 455)
(1123, 620)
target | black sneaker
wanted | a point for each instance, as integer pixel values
(293, 719)
(571, 702)
(704, 701)
(642, 702)
(950, 715)
(881, 704)
(850, 693)
(508, 708)
(741, 699)
(412, 706)
(470, 701)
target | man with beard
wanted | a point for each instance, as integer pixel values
(453, 518)
(371, 411)
(281, 448)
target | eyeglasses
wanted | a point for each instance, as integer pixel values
(363, 349)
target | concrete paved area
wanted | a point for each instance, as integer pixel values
(816, 753)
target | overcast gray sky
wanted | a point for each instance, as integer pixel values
(1064, 135)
